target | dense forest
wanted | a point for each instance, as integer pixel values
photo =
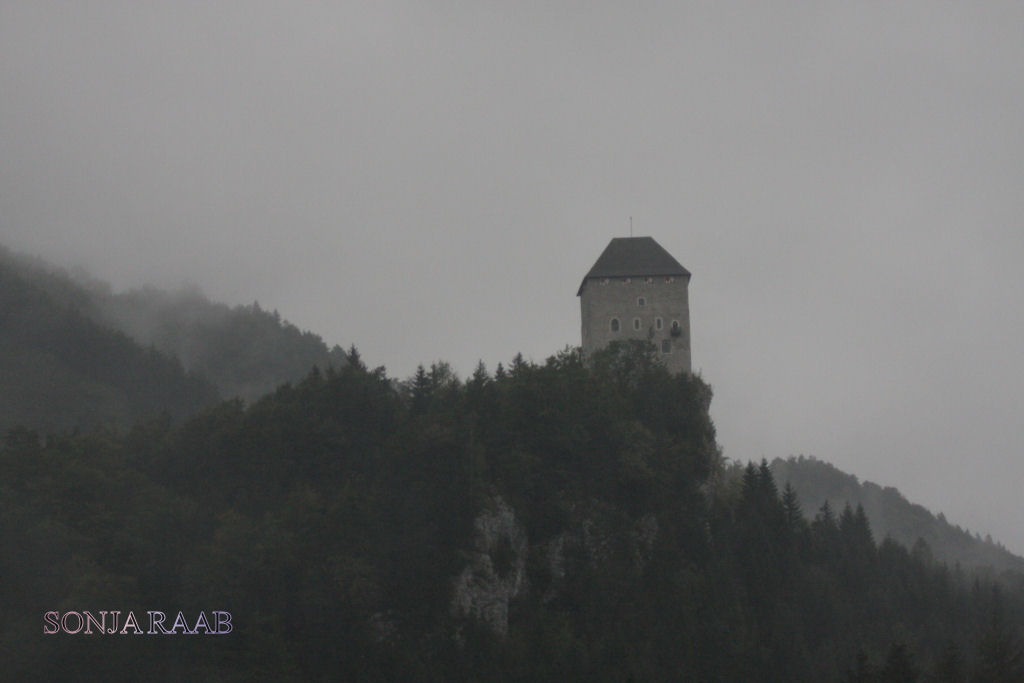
(543, 521)
(61, 368)
(75, 354)
(245, 351)
(892, 515)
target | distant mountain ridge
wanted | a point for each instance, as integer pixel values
(891, 515)
(75, 354)
(245, 350)
(60, 368)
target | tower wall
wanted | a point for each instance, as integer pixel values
(667, 298)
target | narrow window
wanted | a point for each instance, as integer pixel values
(641, 301)
(666, 346)
(636, 323)
(615, 324)
(676, 330)
(658, 324)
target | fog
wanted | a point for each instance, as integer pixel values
(431, 180)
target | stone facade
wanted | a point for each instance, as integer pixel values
(636, 290)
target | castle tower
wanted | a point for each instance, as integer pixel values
(636, 290)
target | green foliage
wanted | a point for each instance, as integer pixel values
(245, 351)
(74, 354)
(890, 514)
(333, 516)
(62, 369)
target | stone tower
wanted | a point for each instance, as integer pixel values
(636, 290)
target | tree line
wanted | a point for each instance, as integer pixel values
(331, 517)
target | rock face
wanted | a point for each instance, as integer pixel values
(598, 538)
(496, 571)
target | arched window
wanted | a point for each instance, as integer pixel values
(675, 330)
(658, 323)
(636, 323)
(641, 301)
(615, 325)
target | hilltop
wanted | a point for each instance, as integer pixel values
(563, 520)
(559, 521)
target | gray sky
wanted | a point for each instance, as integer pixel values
(431, 180)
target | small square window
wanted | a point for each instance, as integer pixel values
(641, 301)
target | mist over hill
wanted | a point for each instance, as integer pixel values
(73, 353)
(244, 350)
(61, 368)
(891, 515)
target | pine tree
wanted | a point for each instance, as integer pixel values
(794, 515)
(422, 390)
(355, 361)
(766, 482)
(480, 376)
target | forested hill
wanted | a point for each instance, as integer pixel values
(892, 515)
(550, 521)
(245, 350)
(60, 368)
(73, 353)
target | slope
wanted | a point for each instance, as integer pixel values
(73, 352)
(547, 522)
(245, 350)
(890, 514)
(62, 369)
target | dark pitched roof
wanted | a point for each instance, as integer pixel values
(634, 257)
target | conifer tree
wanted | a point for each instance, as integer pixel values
(422, 390)
(794, 515)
